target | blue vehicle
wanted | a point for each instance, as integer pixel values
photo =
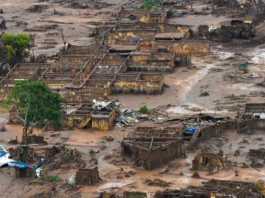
(6, 161)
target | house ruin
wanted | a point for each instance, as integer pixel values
(85, 115)
(209, 161)
(152, 152)
(215, 188)
(223, 188)
(87, 176)
(127, 57)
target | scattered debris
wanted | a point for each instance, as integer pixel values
(42, 28)
(164, 171)
(58, 156)
(2, 128)
(3, 24)
(204, 94)
(37, 8)
(196, 175)
(157, 182)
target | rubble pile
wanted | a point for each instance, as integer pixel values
(58, 156)
(157, 182)
(57, 192)
(37, 8)
(124, 115)
(43, 28)
(24, 153)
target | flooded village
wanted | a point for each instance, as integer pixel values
(132, 98)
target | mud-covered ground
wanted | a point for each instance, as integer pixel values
(46, 19)
(216, 74)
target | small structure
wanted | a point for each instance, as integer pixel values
(135, 194)
(169, 131)
(79, 51)
(85, 115)
(159, 15)
(87, 176)
(214, 189)
(254, 111)
(124, 46)
(154, 62)
(152, 152)
(63, 71)
(223, 188)
(24, 72)
(208, 161)
(110, 64)
(36, 139)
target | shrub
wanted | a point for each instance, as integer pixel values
(149, 5)
(15, 44)
(245, 69)
(144, 109)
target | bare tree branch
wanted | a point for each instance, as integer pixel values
(18, 114)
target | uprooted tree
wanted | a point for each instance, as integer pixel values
(16, 45)
(36, 106)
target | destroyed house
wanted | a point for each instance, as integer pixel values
(148, 83)
(152, 152)
(154, 62)
(86, 94)
(177, 194)
(223, 189)
(79, 51)
(154, 37)
(159, 27)
(24, 72)
(168, 131)
(158, 15)
(63, 71)
(214, 189)
(208, 161)
(169, 36)
(85, 115)
(143, 15)
(87, 176)
(110, 64)
(124, 46)
(254, 110)
(148, 31)
(138, 83)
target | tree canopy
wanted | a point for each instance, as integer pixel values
(149, 5)
(15, 44)
(35, 105)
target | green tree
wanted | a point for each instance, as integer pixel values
(149, 5)
(10, 52)
(35, 105)
(15, 44)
